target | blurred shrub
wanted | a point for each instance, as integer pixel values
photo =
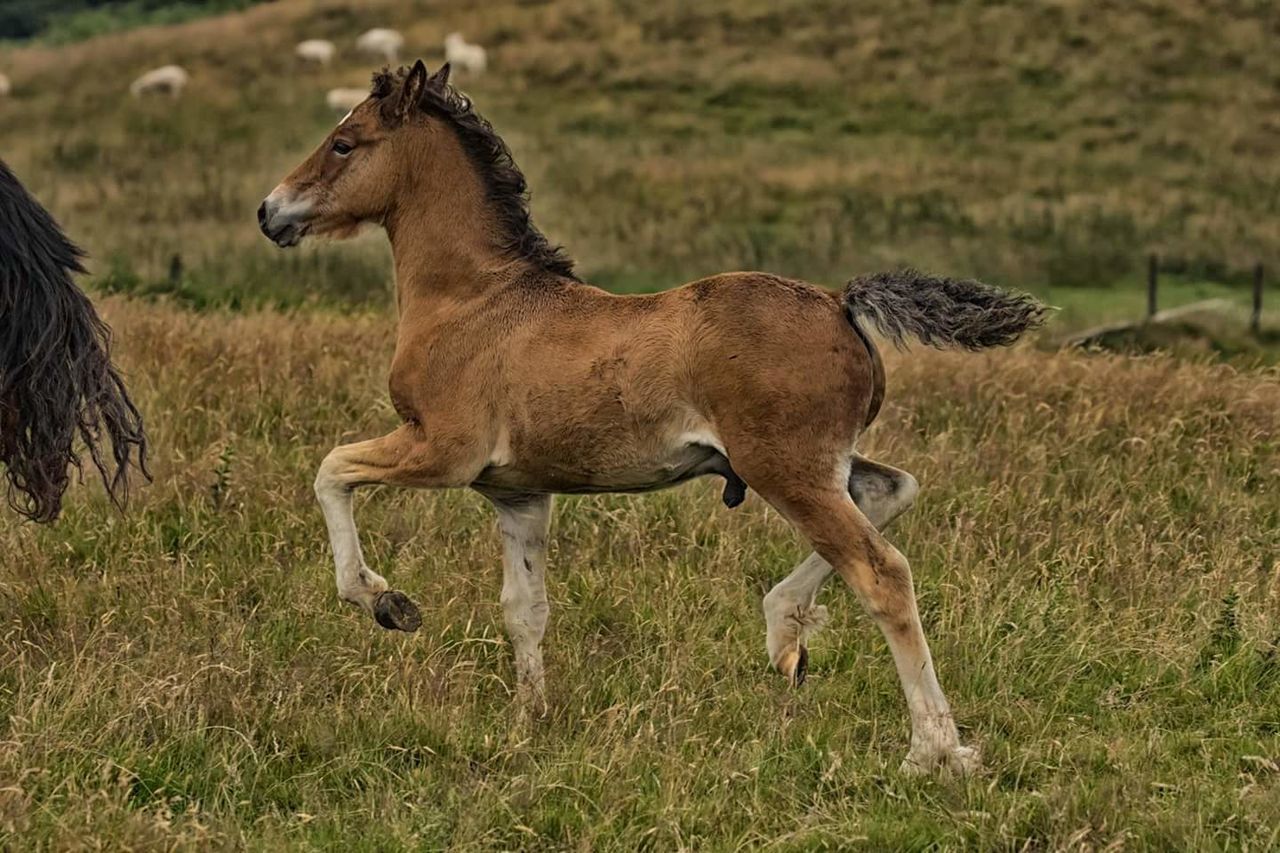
(72, 20)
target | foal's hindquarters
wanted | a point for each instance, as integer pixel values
(789, 388)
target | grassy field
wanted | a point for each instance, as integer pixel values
(1095, 549)
(1095, 545)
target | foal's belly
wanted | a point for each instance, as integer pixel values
(625, 473)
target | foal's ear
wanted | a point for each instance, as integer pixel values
(441, 77)
(411, 91)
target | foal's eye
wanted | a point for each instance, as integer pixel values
(341, 148)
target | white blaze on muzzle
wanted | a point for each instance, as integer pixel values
(284, 215)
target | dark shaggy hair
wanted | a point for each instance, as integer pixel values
(504, 182)
(942, 312)
(56, 377)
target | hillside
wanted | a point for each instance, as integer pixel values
(665, 140)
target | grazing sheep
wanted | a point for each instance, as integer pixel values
(167, 80)
(319, 51)
(381, 43)
(470, 58)
(5, 86)
(343, 101)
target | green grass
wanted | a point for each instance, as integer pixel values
(1127, 300)
(1095, 550)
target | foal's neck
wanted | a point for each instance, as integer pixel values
(443, 236)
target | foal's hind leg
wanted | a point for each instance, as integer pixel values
(881, 577)
(524, 522)
(791, 615)
(881, 491)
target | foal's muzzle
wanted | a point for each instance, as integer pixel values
(282, 219)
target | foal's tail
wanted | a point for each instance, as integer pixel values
(57, 382)
(942, 312)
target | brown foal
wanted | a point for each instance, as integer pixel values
(514, 378)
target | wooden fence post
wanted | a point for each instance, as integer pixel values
(1255, 320)
(1153, 265)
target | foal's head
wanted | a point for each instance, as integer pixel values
(354, 176)
(415, 146)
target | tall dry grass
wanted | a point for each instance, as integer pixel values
(1095, 550)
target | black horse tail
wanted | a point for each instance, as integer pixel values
(57, 381)
(942, 312)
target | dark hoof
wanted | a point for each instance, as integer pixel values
(802, 666)
(395, 612)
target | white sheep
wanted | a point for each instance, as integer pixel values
(5, 86)
(381, 43)
(166, 80)
(343, 101)
(470, 58)
(319, 51)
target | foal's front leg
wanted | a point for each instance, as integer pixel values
(524, 522)
(403, 457)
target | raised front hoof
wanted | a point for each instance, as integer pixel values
(794, 664)
(955, 762)
(395, 612)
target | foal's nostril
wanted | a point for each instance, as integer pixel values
(262, 214)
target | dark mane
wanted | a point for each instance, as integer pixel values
(505, 183)
(57, 382)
